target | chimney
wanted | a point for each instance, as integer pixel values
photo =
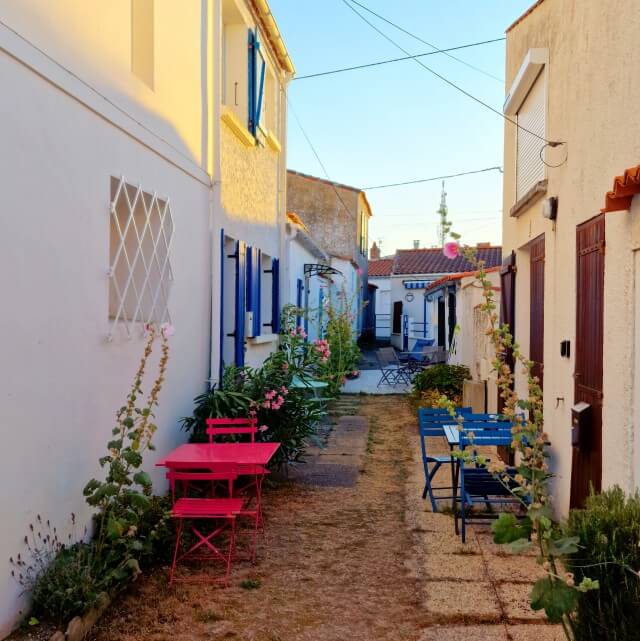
(374, 252)
(416, 244)
(483, 245)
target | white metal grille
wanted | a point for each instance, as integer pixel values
(140, 275)
(531, 115)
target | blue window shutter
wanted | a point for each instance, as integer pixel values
(257, 292)
(221, 343)
(260, 71)
(250, 275)
(299, 288)
(252, 81)
(275, 295)
(241, 284)
(320, 311)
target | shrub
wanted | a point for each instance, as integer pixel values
(446, 379)
(285, 415)
(609, 532)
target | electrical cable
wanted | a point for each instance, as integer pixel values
(549, 143)
(426, 180)
(390, 60)
(419, 39)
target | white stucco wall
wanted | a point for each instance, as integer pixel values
(383, 306)
(61, 382)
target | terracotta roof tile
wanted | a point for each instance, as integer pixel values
(380, 267)
(459, 276)
(625, 187)
(433, 261)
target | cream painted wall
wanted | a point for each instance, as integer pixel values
(590, 98)
(93, 40)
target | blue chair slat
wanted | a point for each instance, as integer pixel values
(477, 484)
(442, 410)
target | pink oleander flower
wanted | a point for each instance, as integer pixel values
(451, 250)
(270, 394)
(263, 428)
(266, 405)
(355, 372)
(284, 390)
(285, 366)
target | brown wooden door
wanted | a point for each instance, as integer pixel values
(508, 306)
(587, 457)
(536, 324)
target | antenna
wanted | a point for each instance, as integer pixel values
(444, 227)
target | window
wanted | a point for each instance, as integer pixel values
(142, 40)
(530, 168)
(140, 276)
(397, 317)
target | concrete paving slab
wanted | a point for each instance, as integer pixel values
(513, 569)
(464, 632)
(455, 567)
(462, 601)
(367, 383)
(536, 633)
(515, 601)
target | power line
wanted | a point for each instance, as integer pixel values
(419, 39)
(315, 153)
(427, 180)
(386, 62)
(550, 143)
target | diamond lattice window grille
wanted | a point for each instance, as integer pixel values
(140, 274)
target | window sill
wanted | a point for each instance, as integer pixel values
(273, 142)
(532, 196)
(238, 129)
(263, 338)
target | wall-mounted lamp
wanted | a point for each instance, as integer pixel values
(550, 208)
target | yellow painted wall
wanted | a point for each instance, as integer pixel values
(592, 93)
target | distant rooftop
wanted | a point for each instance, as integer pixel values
(433, 261)
(380, 267)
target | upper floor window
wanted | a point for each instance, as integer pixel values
(142, 41)
(530, 168)
(526, 104)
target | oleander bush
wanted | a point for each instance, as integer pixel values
(609, 552)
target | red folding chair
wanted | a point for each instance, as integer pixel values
(242, 426)
(223, 510)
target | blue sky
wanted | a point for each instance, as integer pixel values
(397, 122)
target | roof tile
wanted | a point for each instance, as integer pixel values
(433, 261)
(380, 267)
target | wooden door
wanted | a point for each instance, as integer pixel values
(536, 317)
(587, 457)
(508, 307)
(452, 319)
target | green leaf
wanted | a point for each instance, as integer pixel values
(520, 545)
(556, 598)
(33, 621)
(104, 460)
(139, 501)
(91, 487)
(116, 444)
(115, 527)
(507, 529)
(588, 584)
(142, 478)
(564, 546)
(133, 458)
(137, 545)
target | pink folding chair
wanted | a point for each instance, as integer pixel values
(243, 426)
(223, 510)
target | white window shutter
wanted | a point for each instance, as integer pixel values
(531, 117)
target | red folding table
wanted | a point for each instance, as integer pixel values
(208, 455)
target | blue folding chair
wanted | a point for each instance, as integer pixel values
(477, 484)
(430, 421)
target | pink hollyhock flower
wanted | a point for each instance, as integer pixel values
(263, 428)
(167, 329)
(359, 271)
(451, 250)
